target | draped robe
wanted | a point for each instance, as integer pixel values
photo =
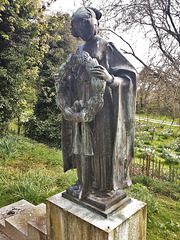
(108, 140)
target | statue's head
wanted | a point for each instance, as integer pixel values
(85, 22)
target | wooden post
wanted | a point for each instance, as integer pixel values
(159, 168)
(173, 174)
(143, 164)
(170, 172)
(148, 165)
(156, 168)
(153, 169)
(162, 170)
(176, 174)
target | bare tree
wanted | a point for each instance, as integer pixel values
(158, 95)
(159, 22)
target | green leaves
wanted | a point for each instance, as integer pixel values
(23, 44)
(32, 47)
(45, 125)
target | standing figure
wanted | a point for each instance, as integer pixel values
(97, 133)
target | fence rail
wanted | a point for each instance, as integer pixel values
(155, 168)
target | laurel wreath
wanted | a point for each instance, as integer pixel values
(80, 111)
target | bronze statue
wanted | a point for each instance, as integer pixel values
(96, 92)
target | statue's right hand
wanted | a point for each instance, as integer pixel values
(101, 73)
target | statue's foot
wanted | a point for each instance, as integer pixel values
(76, 191)
(105, 199)
(110, 193)
(103, 194)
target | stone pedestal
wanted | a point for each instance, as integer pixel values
(67, 220)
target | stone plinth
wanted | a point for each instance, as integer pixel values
(37, 228)
(12, 210)
(23, 221)
(3, 237)
(67, 220)
(17, 226)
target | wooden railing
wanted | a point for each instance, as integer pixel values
(155, 168)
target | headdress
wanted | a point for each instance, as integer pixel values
(87, 12)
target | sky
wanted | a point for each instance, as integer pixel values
(66, 5)
(135, 39)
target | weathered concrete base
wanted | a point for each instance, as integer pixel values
(3, 237)
(12, 211)
(37, 228)
(62, 219)
(103, 206)
(67, 220)
(17, 226)
(23, 221)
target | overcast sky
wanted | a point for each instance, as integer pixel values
(136, 39)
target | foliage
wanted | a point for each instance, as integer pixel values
(35, 185)
(158, 186)
(26, 35)
(169, 156)
(148, 151)
(45, 124)
(163, 223)
(158, 94)
(7, 146)
(142, 193)
(19, 55)
(144, 135)
(175, 145)
(47, 131)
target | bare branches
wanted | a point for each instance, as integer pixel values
(159, 20)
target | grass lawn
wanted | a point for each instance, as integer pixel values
(33, 171)
(159, 117)
(30, 170)
(165, 224)
(163, 204)
(159, 141)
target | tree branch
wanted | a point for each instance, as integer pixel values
(132, 53)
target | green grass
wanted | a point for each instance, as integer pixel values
(30, 170)
(163, 204)
(156, 140)
(159, 117)
(33, 171)
(166, 223)
(162, 198)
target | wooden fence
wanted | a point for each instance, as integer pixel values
(155, 168)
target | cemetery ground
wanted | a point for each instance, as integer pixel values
(33, 171)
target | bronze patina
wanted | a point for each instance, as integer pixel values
(96, 92)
